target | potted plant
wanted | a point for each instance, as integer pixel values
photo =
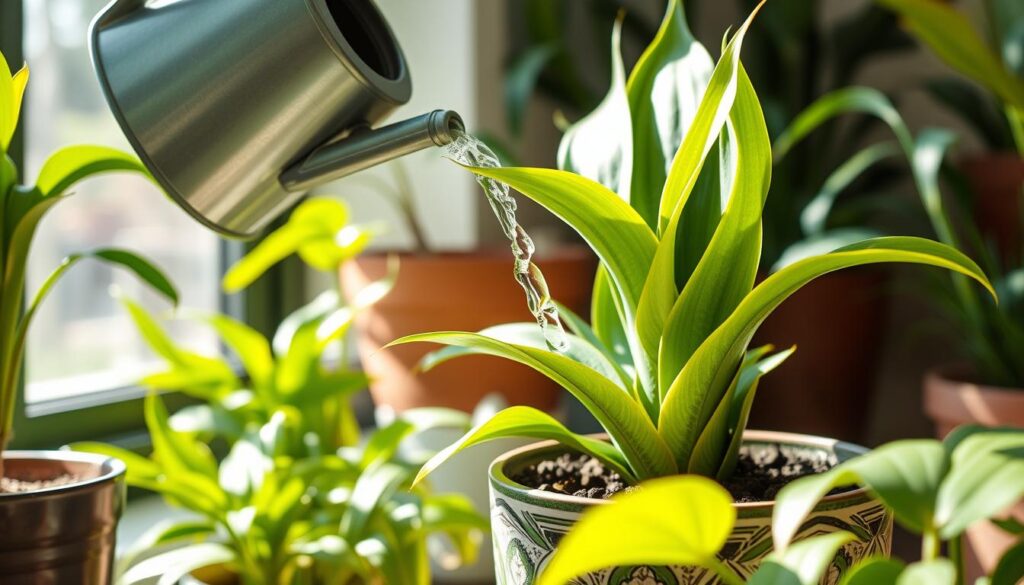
(664, 365)
(935, 490)
(430, 290)
(46, 494)
(301, 496)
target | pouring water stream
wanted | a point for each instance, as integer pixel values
(470, 151)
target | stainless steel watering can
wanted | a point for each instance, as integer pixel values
(240, 106)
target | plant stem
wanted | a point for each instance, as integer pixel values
(930, 545)
(727, 575)
(956, 554)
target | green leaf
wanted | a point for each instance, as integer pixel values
(175, 451)
(665, 90)
(905, 475)
(814, 217)
(72, 164)
(374, 486)
(249, 345)
(628, 426)
(12, 89)
(169, 567)
(576, 325)
(1010, 569)
(701, 520)
(696, 392)
(874, 571)
(936, 572)
(820, 244)
(139, 468)
(384, 442)
(606, 320)
(455, 516)
(951, 36)
(600, 146)
(167, 532)
(525, 421)
(807, 560)
(521, 80)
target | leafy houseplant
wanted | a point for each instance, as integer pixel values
(31, 509)
(664, 365)
(935, 490)
(299, 498)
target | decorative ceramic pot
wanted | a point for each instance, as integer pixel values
(60, 535)
(951, 400)
(527, 524)
(457, 292)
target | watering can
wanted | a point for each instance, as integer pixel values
(238, 107)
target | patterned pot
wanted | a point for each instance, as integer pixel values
(526, 524)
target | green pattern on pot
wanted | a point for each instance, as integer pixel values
(527, 525)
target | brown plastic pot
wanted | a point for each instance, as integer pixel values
(62, 535)
(951, 400)
(996, 180)
(837, 323)
(457, 292)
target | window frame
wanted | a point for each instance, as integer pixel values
(116, 414)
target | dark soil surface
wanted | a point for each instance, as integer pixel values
(10, 485)
(762, 471)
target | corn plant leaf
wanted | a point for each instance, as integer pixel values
(806, 561)
(701, 520)
(699, 387)
(529, 334)
(1010, 569)
(525, 421)
(952, 37)
(600, 146)
(935, 572)
(627, 424)
(873, 571)
(665, 90)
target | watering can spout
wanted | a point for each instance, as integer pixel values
(363, 148)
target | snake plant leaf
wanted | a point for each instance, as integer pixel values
(606, 321)
(726, 273)
(701, 520)
(600, 145)
(905, 475)
(697, 390)
(934, 572)
(952, 37)
(815, 214)
(665, 89)
(804, 563)
(529, 334)
(874, 571)
(987, 476)
(1010, 569)
(579, 327)
(12, 90)
(525, 421)
(625, 421)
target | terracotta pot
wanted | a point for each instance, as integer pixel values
(527, 524)
(996, 180)
(457, 292)
(837, 323)
(62, 535)
(950, 401)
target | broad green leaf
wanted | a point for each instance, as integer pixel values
(936, 572)
(600, 145)
(695, 393)
(71, 164)
(525, 421)
(529, 334)
(807, 560)
(1010, 569)
(905, 475)
(665, 90)
(951, 36)
(701, 520)
(726, 273)
(628, 426)
(873, 571)
(814, 217)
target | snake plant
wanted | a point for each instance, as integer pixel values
(668, 190)
(22, 207)
(935, 490)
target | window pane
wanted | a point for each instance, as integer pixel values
(82, 340)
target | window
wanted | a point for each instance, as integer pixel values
(82, 340)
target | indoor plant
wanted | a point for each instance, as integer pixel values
(44, 493)
(934, 489)
(299, 498)
(664, 365)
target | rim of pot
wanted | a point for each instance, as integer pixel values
(961, 373)
(496, 471)
(110, 468)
